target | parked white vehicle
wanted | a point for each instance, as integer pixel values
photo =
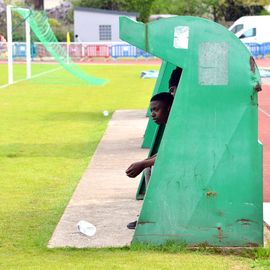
(252, 29)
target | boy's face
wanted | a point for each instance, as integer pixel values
(159, 111)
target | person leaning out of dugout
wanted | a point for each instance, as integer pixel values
(160, 105)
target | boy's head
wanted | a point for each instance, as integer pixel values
(160, 105)
(174, 80)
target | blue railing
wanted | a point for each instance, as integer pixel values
(123, 51)
(19, 50)
(265, 49)
(259, 50)
(116, 51)
(129, 51)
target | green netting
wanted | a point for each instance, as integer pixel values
(39, 24)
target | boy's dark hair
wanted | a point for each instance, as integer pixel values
(165, 97)
(175, 77)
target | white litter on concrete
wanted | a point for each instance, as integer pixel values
(105, 196)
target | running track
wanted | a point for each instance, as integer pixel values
(264, 129)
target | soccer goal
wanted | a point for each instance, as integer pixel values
(10, 46)
(37, 22)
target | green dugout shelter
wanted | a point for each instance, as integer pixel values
(206, 184)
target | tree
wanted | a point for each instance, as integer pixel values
(38, 4)
(103, 4)
(234, 9)
(143, 7)
(217, 10)
(220, 10)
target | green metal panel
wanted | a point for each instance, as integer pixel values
(160, 86)
(128, 28)
(157, 137)
(161, 72)
(206, 186)
(149, 133)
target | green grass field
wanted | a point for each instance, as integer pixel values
(50, 127)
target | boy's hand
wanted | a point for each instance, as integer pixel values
(135, 169)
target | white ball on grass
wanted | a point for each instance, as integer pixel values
(105, 113)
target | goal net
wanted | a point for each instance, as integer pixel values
(37, 21)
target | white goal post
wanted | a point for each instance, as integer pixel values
(10, 46)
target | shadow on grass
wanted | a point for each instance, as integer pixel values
(54, 78)
(77, 116)
(175, 247)
(172, 247)
(67, 150)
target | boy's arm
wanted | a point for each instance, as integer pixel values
(154, 156)
(136, 168)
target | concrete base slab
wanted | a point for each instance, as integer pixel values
(266, 213)
(105, 196)
(266, 219)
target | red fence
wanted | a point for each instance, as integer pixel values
(92, 51)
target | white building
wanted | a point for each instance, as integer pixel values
(95, 25)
